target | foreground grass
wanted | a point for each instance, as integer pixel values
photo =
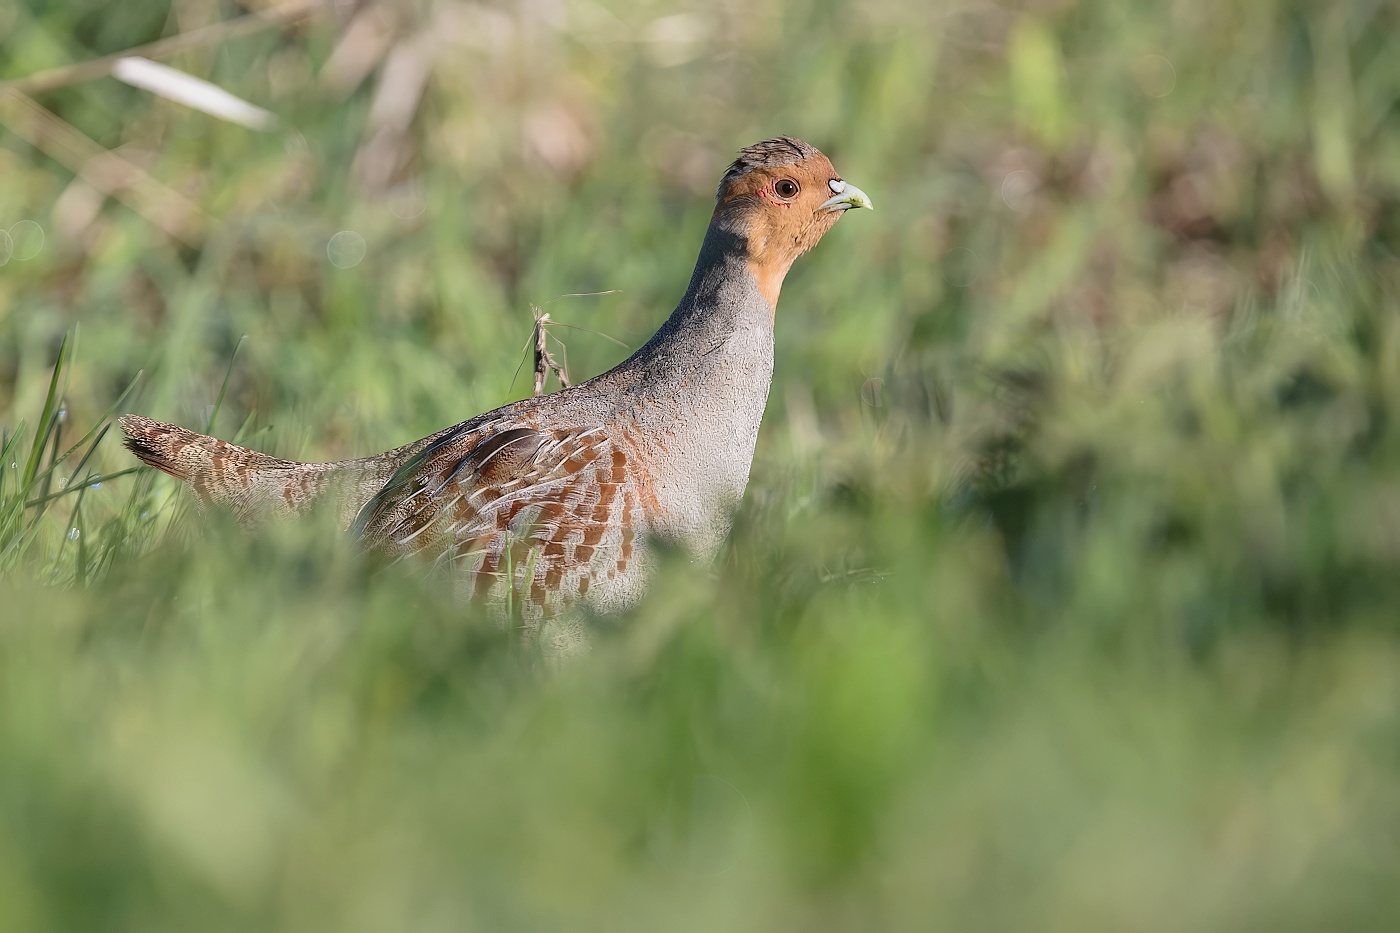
(1063, 597)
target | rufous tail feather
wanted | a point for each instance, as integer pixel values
(249, 483)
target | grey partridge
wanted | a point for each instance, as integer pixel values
(552, 500)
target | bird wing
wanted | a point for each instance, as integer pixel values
(499, 498)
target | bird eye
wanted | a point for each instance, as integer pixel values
(786, 188)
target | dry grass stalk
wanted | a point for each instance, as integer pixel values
(545, 363)
(281, 15)
(106, 171)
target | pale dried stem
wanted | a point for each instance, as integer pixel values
(545, 363)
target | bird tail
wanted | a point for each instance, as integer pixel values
(249, 483)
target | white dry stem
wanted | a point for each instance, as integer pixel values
(201, 95)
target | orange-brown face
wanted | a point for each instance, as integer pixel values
(783, 209)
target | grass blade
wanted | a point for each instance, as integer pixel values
(223, 388)
(46, 418)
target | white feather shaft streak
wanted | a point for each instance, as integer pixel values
(176, 85)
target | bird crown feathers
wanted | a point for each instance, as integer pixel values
(771, 153)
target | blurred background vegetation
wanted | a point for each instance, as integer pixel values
(1065, 593)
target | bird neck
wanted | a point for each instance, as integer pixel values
(699, 388)
(718, 342)
(728, 290)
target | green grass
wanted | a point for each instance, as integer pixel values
(1065, 592)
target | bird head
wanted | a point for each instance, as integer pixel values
(780, 196)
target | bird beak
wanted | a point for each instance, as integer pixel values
(847, 197)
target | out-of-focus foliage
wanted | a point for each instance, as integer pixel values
(1065, 595)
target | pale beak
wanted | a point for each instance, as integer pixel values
(847, 197)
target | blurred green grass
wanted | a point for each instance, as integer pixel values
(1064, 595)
